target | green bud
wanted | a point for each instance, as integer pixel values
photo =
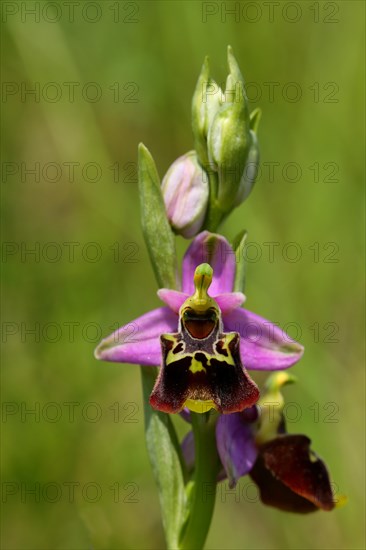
(229, 138)
(205, 103)
(225, 140)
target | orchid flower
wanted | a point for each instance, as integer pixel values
(288, 474)
(255, 343)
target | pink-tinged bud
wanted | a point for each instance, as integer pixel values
(185, 190)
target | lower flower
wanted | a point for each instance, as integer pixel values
(289, 475)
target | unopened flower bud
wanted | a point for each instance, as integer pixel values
(185, 190)
(225, 138)
(206, 102)
(229, 139)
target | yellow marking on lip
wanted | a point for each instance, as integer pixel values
(196, 366)
(199, 406)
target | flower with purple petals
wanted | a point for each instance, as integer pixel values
(254, 442)
(261, 344)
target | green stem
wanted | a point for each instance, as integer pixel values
(214, 218)
(214, 214)
(202, 500)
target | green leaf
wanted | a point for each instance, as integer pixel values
(167, 463)
(239, 248)
(158, 234)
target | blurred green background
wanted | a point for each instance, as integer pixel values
(107, 75)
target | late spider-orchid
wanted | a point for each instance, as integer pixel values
(204, 363)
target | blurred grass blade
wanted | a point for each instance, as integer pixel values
(158, 234)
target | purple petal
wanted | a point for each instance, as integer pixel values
(263, 345)
(229, 301)
(216, 251)
(138, 342)
(251, 414)
(188, 450)
(235, 445)
(185, 413)
(173, 298)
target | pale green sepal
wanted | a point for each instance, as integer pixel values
(250, 172)
(228, 147)
(206, 101)
(275, 382)
(238, 79)
(158, 234)
(254, 119)
(271, 405)
(240, 273)
(199, 121)
(167, 464)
